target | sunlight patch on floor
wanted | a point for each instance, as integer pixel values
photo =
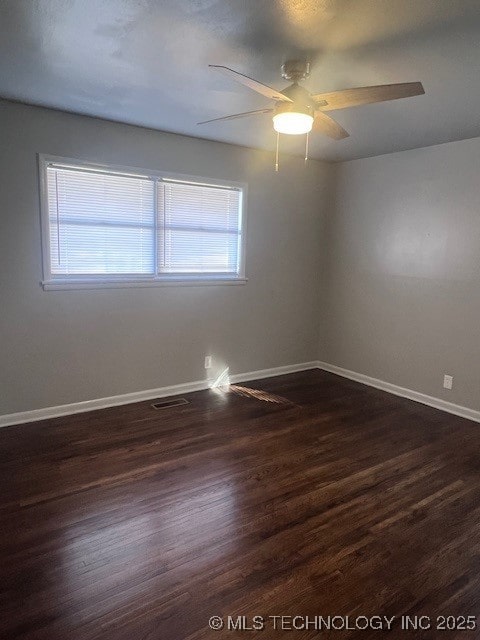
(257, 394)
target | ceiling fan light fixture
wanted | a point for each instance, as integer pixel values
(297, 111)
(292, 122)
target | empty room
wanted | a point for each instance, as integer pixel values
(239, 319)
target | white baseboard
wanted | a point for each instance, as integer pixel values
(431, 401)
(199, 385)
(139, 396)
(271, 373)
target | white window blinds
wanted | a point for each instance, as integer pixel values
(109, 225)
(100, 223)
(199, 228)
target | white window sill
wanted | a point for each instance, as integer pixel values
(62, 285)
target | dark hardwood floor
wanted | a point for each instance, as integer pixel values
(318, 497)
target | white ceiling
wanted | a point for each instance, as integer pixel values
(146, 62)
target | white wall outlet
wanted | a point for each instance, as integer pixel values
(208, 362)
(447, 382)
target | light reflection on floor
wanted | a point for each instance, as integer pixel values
(222, 385)
(223, 390)
(104, 555)
(257, 394)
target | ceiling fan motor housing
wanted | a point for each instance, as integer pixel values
(302, 101)
(295, 70)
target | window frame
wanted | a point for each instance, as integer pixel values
(51, 281)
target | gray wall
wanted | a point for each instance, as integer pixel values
(66, 346)
(394, 277)
(403, 270)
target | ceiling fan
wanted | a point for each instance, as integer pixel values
(296, 111)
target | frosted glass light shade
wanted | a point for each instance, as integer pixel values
(292, 122)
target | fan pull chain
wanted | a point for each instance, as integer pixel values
(306, 148)
(276, 153)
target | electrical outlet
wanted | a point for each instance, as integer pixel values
(447, 382)
(208, 362)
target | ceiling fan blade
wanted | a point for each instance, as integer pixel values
(257, 112)
(259, 87)
(367, 95)
(327, 125)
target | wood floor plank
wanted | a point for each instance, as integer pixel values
(305, 494)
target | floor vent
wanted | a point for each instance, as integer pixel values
(164, 404)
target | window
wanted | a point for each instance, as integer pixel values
(108, 226)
